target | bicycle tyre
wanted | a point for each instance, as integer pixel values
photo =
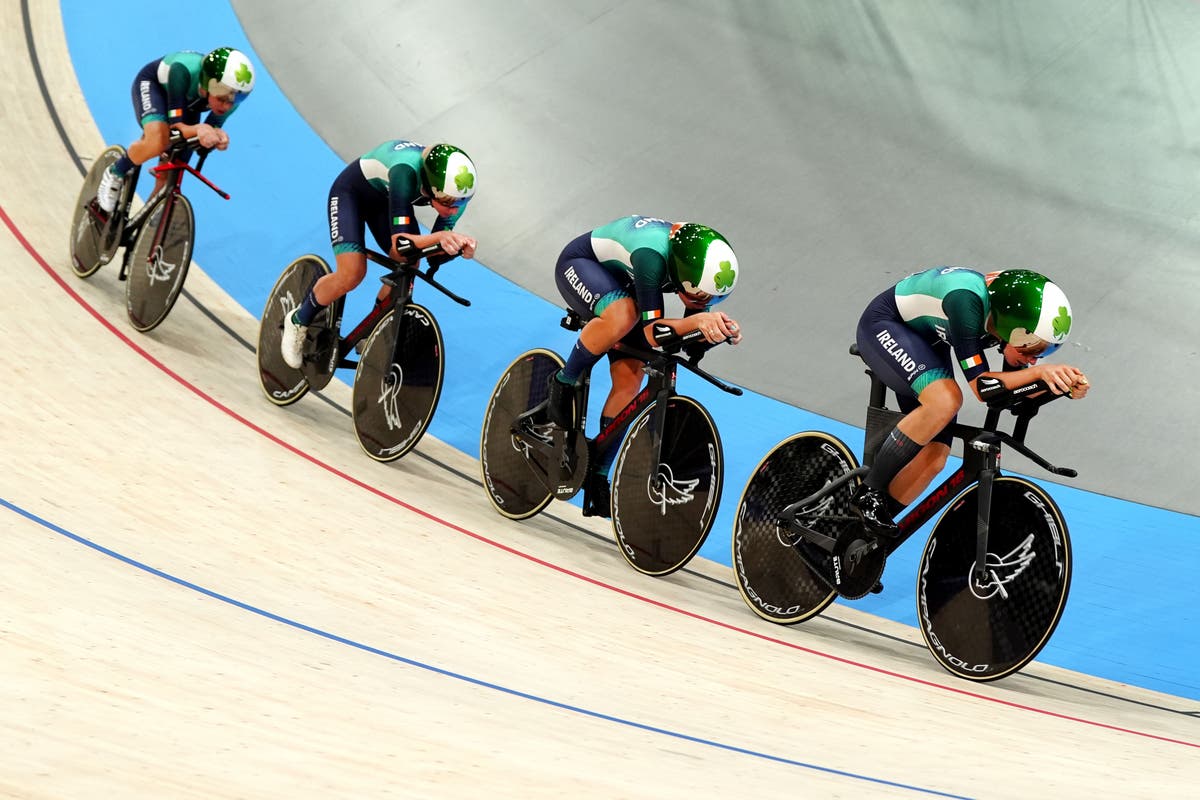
(393, 402)
(662, 512)
(156, 273)
(514, 477)
(773, 579)
(280, 383)
(93, 243)
(983, 633)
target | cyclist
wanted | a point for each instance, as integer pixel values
(911, 334)
(379, 191)
(171, 93)
(614, 276)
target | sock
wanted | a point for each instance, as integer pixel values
(580, 361)
(308, 309)
(895, 452)
(122, 166)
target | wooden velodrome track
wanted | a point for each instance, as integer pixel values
(205, 596)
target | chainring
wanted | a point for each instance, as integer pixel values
(857, 562)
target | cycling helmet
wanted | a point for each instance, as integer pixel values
(227, 71)
(447, 175)
(1029, 311)
(701, 262)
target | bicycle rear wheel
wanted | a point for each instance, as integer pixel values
(93, 242)
(516, 476)
(772, 577)
(983, 632)
(159, 264)
(280, 383)
(394, 401)
(662, 510)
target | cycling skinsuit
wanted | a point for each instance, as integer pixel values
(168, 90)
(625, 258)
(911, 334)
(379, 191)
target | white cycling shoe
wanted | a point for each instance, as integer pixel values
(291, 346)
(109, 191)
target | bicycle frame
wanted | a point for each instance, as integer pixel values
(167, 193)
(402, 277)
(980, 463)
(661, 368)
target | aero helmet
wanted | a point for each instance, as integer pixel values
(1029, 310)
(700, 261)
(227, 71)
(447, 175)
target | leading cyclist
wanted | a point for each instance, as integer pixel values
(910, 336)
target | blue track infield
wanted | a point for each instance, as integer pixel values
(1131, 616)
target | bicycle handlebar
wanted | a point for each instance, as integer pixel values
(689, 342)
(409, 265)
(177, 147)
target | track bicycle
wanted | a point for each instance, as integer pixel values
(995, 572)
(400, 368)
(158, 238)
(668, 473)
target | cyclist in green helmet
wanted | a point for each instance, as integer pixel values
(379, 191)
(173, 92)
(912, 334)
(615, 277)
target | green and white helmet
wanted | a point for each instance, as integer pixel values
(226, 71)
(447, 175)
(1029, 311)
(701, 263)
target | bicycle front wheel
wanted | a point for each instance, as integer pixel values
(772, 577)
(986, 630)
(515, 475)
(280, 383)
(93, 242)
(394, 400)
(663, 508)
(159, 263)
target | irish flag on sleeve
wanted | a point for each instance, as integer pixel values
(971, 362)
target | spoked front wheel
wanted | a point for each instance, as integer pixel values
(394, 400)
(280, 383)
(94, 239)
(159, 263)
(985, 630)
(772, 577)
(664, 502)
(516, 476)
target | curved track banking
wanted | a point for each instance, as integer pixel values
(323, 670)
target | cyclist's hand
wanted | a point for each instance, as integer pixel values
(1079, 389)
(456, 244)
(717, 327)
(1059, 377)
(211, 137)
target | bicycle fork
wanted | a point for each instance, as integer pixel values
(990, 450)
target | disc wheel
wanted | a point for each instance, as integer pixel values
(985, 630)
(398, 382)
(772, 577)
(663, 504)
(517, 476)
(282, 384)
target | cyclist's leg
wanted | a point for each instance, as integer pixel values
(913, 368)
(150, 109)
(602, 298)
(925, 466)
